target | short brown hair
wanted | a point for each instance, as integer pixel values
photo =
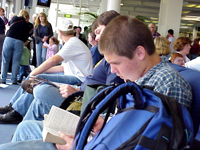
(162, 45)
(123, 35)
(92, 34)
(180, 42)
(1, 9)
(104, 18)
(174, 55)
(67, 33)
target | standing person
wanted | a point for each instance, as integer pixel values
(13, 44)
(43, 31)
(2, 15)
(2, 33)
(182, 45)
(52, 47)
(79, 35)
(24, 68)
(152, 28)
(171, 38)
(33, 62)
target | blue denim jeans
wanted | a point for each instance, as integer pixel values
(28, 130)
(2, 37)
(24, 71)
(28, 145)
(40, 53)
(12, 48)
(45, 95)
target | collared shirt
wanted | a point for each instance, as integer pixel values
(168, 81)
(156, 34)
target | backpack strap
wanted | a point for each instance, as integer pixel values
(173, 108)
(70, 99)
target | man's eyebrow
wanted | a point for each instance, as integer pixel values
(114, 62)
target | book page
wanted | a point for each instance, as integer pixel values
(61, 120)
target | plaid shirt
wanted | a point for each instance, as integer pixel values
(168, 81)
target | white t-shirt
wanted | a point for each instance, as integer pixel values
(77, 59)
(194, 64)
(171, 39)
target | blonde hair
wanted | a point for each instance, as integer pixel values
(37, 21)
(162, 46)
(23, 13)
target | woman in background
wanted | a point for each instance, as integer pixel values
(13, 44)
(182, 45)
(43, 31)
(162, 46)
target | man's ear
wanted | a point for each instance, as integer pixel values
(140, 52)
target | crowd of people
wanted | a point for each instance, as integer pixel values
(123, 48)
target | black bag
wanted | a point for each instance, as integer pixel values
(76, 102)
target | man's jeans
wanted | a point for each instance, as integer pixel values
(45, 95)
(12, 48)
(40, 53)
(28, 130)
(28, 145)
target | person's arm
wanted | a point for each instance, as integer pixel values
(46, 65)
(55, 69)
(50, 32)
(36, 34)
(53, 48)
(66, 90)
(45, 44)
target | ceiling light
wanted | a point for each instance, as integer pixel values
(190, 5)
(154, 18)
(185, 12)
(198, 6)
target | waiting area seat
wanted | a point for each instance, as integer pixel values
(193, 78)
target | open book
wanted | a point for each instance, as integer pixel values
(58, 120)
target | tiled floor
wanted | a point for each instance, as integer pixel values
(6, 93)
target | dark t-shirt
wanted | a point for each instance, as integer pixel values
(2, 26)
(101, 75)
(43, 31)
(96, 56)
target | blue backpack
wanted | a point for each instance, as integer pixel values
(144, 120)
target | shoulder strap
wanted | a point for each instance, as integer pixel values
(173, 108)
(16, 22)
